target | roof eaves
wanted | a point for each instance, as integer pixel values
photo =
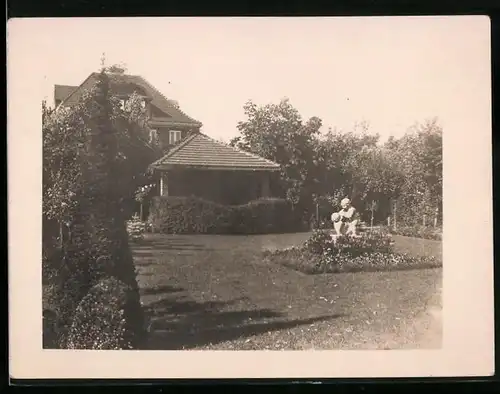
(62, 103)
(176, 148)
(274, 164)
(150, 86)
(169, 166)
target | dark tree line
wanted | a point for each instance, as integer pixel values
(400, 178)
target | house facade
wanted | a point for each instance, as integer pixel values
(168, 123)
(193, 163)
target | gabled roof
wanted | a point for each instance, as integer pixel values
(175, 114)
(63, 91)
(203, 152)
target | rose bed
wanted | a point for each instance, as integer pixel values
(371, 251)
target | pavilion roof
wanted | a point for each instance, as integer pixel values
(202, 152)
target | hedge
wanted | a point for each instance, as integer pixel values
(104, 318)
(97, 251)
(192, 215)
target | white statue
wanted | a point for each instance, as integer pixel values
(345, 220)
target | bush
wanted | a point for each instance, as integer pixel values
(104, 319)
(136, 228)
(318, 242)
(78, 270)
(192, 215)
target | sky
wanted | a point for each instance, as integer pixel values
(388, 71)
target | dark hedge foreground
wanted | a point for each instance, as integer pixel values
(91, 292)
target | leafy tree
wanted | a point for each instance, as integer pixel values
(278, 132)
(323, 169)
(418, 157)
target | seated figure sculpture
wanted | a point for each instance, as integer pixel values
(346, 220)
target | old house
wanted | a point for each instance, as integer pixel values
(194, 164)
(168, 123)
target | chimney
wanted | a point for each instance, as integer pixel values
(174, 103)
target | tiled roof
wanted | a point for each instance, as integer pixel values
(201, 151)
(63, 91)
(175, 114)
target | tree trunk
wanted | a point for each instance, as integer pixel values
(61, 234)
(371, 219)
(395, 214)
(317, 215)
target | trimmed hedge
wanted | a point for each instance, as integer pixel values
(72, 274)
(104, 318)
(192, 215)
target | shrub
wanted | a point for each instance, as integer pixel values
(184, 215)
(94, 253)
(104, 319)
(192, 215)
(136, 228)
(318, 242)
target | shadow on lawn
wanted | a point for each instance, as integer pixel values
(148, 248)
(186, 324)
(158, 290)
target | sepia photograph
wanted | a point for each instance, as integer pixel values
(255, 184)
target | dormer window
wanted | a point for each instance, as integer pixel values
(174, 136)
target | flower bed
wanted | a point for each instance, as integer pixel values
(372, 252)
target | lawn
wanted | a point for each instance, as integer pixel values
(215, 292)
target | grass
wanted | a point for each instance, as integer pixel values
(216, 292)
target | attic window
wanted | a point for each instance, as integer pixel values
(174, 136)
